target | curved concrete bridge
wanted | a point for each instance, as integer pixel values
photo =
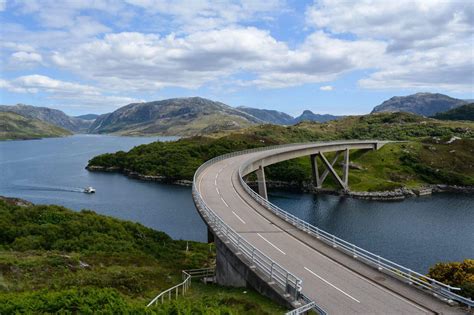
(285, 258)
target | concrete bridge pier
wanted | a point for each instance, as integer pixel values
(262, 186)
(329, 168)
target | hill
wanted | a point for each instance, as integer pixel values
(308, 115)
(88, 116)
(49, 115)
(57, 261)
(464, 112)
(426, 104)
(14, 126)
(177, 116)
(398, 165)
(268, 116)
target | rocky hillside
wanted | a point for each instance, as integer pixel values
(308, 115)
(269, 116)
(464, 112)
(14, 126)
(177, 116)
(49, 115)
(426, 104)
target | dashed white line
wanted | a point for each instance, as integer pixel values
(217, 189)
(332, 285)
(274, 246)
(238, 217)
(222, 199)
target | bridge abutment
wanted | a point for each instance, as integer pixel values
(232, 270)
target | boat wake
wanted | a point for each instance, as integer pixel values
(51, 188)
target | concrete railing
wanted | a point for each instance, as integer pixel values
(182, 287)
(421, 281)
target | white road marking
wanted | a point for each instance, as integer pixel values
(238, 217)
(222, 199)
(332, 285)
(217, 189)
(274, 246)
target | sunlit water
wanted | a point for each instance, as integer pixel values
(417, 232)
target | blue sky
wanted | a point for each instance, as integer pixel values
(339, 57)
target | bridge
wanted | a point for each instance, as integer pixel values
(297, 264)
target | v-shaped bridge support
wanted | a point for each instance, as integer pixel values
(329, 168)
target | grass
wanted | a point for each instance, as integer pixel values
(17, 127)
(56, 260)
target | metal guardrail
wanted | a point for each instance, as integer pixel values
(437, 288)
(288, 282)
(184, 286)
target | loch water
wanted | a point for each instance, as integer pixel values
(416, 232)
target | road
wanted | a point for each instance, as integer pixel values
(337, 283)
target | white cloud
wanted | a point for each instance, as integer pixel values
(24, 59)
(429, 43)
(3, 4)
(72, 93)
(326, 88)
(149, 62)
(192, 16)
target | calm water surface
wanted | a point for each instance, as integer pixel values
(417, 232)
(51, 171)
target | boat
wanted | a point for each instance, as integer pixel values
(89, 190)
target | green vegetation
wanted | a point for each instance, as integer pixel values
(16, 127)
(427, 157)
(465, 112)
(456, 274)
(55, 260)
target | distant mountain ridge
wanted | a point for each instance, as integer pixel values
(268, 115)
(426, 104)
(176, 116)
(280, 118)
(308, 115)
(14, 126)
(49, 115)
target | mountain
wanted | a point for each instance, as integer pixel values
(308, 115)
(464, 112)
(88, 116)
(268, 115)
(177, 117)
(49, 115)
(14, 126)
(426, 104)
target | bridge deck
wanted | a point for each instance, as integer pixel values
(339, 284)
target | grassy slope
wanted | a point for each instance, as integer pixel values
(465, 112)
(53, 259)
(14, 126)
(398, 164)
(186, 127)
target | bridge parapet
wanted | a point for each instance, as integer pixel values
(384, 265)
(285, 280)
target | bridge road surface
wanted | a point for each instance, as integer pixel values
(336, 288)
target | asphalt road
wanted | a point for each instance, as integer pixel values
(338, 284)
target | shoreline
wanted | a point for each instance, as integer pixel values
(388, 195)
